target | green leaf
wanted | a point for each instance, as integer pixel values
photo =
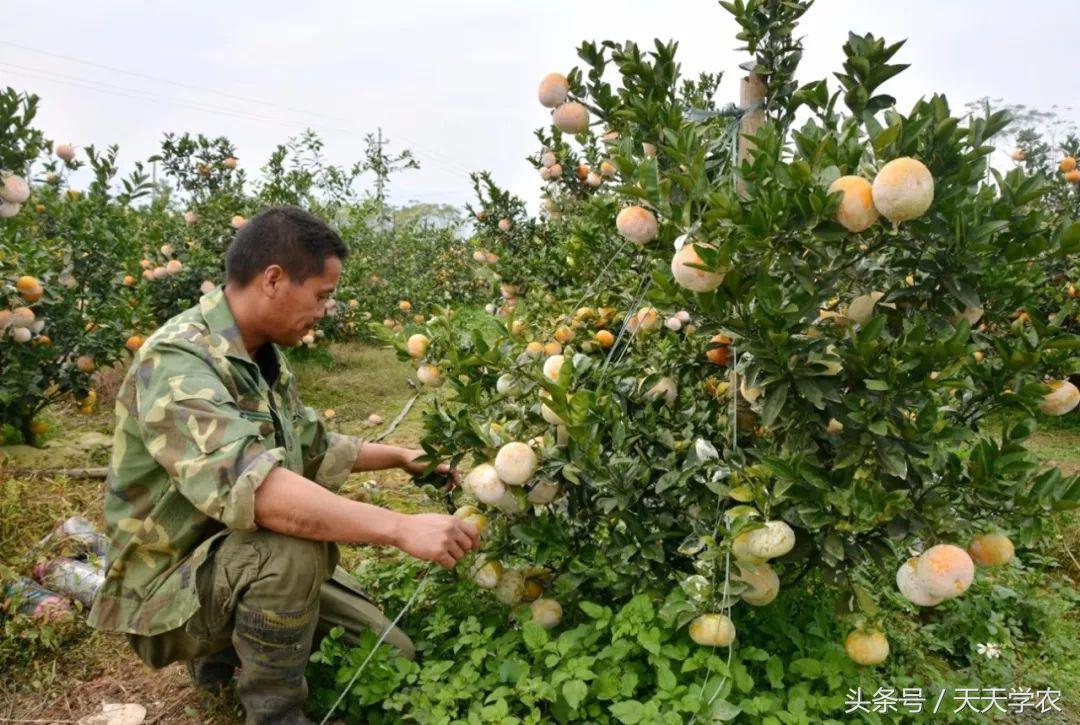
(774, 403)
(574, 691)
(774, 670)
(628, 711)
(723, 710)
(1070, 239)
(806, 667)
(535, 636)
(595, 611)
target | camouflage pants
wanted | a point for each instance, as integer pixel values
(267, 595)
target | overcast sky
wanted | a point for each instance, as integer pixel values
(456, 81)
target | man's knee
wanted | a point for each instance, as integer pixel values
(291, 569)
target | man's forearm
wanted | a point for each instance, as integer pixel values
(291, 504)
(377, 456)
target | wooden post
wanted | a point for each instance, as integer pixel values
(751, 92)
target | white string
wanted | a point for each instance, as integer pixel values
(716, 529)
(382, 637)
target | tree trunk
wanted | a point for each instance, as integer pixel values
(26, 424)
(751, 93)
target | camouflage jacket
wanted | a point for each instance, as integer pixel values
(197, 430)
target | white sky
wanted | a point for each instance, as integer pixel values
(456, 81)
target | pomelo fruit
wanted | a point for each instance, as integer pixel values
(903, 189)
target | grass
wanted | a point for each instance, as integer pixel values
(70, 676)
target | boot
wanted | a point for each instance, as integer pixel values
(273, 648)
(214, 671)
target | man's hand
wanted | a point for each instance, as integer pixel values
(437, 537)
(411, 465)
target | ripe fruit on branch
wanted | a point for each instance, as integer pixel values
(30, 289)
(1062, 399)
(867, 647)
(637, 224)
(85, 363)
(607, 169)
(552, 366)
(505, 225)
(14, 189)
(8, 210)
(474, 516)
(1018, 155)
(484, 483)
(991, 549)
(1073, 177)
(417, 345)
(903, 189)
(762, 581)
(548, 159)
(912, 587)
(173, 267)
(719, 352)
(190, 217)
(692, 278)
(644, 321)
(229, 162)
(605, 338)
(553, 90)
(515, 463)
(428, 374)
(945, 571)
(134, 342)
(546, 612)
(487, 574)
(511, 587)
(237, 221)
(856, 212)
(1067, 164)
(549, 415)
(712, 630)
(572, 118)
(65, 151)
(774, 539)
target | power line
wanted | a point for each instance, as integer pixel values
(449, 161)
(178, 84)
(137, 94)
(92, 85)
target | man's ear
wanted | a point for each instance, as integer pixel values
(273, 278)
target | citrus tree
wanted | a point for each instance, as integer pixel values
(783, 377)
(68, 304)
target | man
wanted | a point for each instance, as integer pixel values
(221, 508)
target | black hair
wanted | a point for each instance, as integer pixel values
(287, 236)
